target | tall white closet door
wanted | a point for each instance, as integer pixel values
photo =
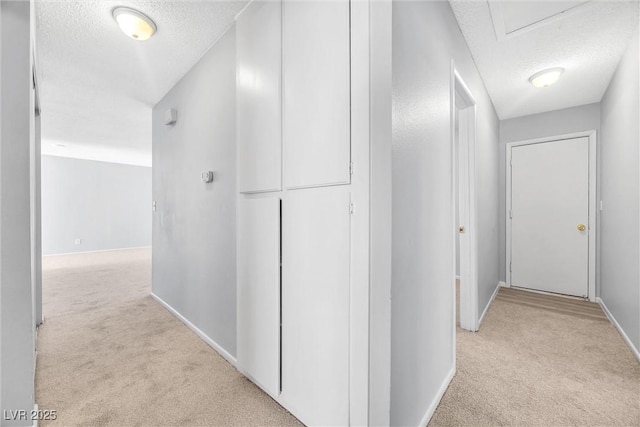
(258, 122)
(258, 276)
(316, 92)
(315, 305)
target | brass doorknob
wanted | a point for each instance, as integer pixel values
(581, 227)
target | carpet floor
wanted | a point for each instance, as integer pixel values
(109, 354)
(541, 360)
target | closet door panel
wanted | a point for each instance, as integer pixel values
(316, 93)
(258, 89)
(315, 305)
(258, 292)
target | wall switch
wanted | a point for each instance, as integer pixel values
(78, 241)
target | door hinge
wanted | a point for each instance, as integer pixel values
(351, 208)
(510, 267)
(510, 213)
(351, 168)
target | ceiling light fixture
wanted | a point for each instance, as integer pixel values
(133, 23)
(546, 78)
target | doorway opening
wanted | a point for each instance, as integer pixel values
(463, 123)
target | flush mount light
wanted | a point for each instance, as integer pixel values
(135, 24)
(546, 77)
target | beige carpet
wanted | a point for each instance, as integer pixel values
(108, 354)
(542, 360)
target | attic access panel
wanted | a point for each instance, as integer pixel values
(511, 19)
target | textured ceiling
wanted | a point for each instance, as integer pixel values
(97, 86)
(521, 15)
(588, 43)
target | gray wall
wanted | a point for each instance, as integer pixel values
(106, 205)
(17, 328)
(552, 123)
(194, 244)
(425, 38)
(620, 254)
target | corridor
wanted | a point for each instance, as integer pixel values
(109, 354)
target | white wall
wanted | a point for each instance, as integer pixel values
(106, 205)
(552, 123)
(426, 37)
(194, 240)
(17, 331)
(620, 252)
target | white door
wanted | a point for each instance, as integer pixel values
(258, 295)
(315, 305)
(258, 97)
(316, 95)
(550, 216)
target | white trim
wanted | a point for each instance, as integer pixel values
(493, 297)
(468, 257)
(454, 220)
(36, 411)
(613, 320)
(591, 134)
(503, 284)
(436, 401)
(473, 223)
(593, 213)
(464, 91)
(217, 347)
(98, 251)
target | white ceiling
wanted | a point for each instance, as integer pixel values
(587, 40)
(97, 86)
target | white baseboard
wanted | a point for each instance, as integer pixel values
(436, 401)
(503, 284)
(217, 347)
(97, 251)
(493, 296)
(613, 320)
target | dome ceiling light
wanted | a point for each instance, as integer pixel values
(546, 78)
(134, 24)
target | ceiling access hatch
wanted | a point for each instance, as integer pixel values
(511, 19)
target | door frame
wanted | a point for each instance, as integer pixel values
(591, 135)
(460, 94)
